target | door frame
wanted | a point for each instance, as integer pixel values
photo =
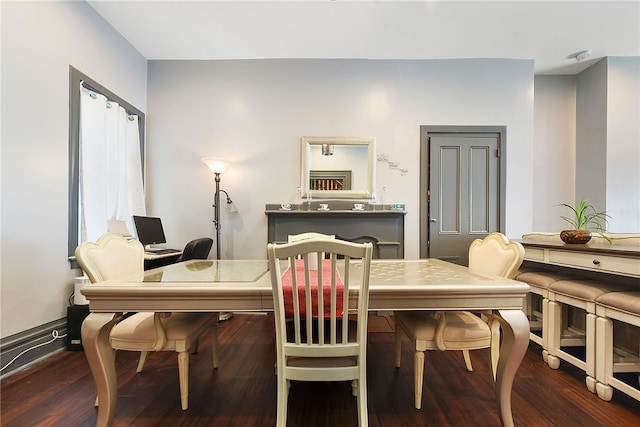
(425, 166)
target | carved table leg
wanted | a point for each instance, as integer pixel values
(101, 357)
(515, 340)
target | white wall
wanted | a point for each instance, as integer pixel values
(587, 144)
(554, 150)
(253, 112)
(623, 143)
(39, 42)
(608, 140)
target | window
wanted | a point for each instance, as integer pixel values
(76, 210)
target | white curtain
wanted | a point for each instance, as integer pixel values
(111, 186)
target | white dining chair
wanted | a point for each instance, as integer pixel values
(325, 341)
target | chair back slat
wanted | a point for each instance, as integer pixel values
(320, 295)
(308, 296)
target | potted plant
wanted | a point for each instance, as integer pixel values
(585, 219)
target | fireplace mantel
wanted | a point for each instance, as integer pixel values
(376, 223)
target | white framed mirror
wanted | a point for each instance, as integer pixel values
(337, 167)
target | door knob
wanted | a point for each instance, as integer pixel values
(433, 220)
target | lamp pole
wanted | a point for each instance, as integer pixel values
(216, 213)
(217, 166)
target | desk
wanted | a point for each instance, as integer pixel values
(229, 285)
(155, 260)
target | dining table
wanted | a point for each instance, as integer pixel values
(245, 286)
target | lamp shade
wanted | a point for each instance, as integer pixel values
(216, 164)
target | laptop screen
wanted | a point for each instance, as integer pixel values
(149, 230)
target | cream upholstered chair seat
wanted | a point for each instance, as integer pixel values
(114, 257)
(320, 340)
(460, 330)
(140, 331)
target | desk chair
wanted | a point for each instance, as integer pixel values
(196, 249)
(114, 257)
(460, 330)
(329, 347)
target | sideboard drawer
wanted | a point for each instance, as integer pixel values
(596, 262)
(534, 254)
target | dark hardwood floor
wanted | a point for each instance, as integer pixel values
(242, 392)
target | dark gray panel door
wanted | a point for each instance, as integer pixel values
(464, 192)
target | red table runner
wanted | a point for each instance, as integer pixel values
(287, 287)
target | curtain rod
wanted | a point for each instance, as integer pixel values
(89, 87)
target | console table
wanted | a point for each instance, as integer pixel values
(578, 315)
(554, 260)
(601, 258)
(379, 224)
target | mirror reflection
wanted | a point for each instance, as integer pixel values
(338, 167)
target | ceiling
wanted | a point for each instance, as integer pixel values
(550, 32)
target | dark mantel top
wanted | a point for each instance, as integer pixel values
(335, 206)
(380, 224)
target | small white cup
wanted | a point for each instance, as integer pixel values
(285, 206)
(358, 206)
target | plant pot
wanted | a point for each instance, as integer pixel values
(575, 236)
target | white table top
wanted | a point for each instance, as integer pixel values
(245, 285)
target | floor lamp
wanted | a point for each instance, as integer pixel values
(218, 166)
